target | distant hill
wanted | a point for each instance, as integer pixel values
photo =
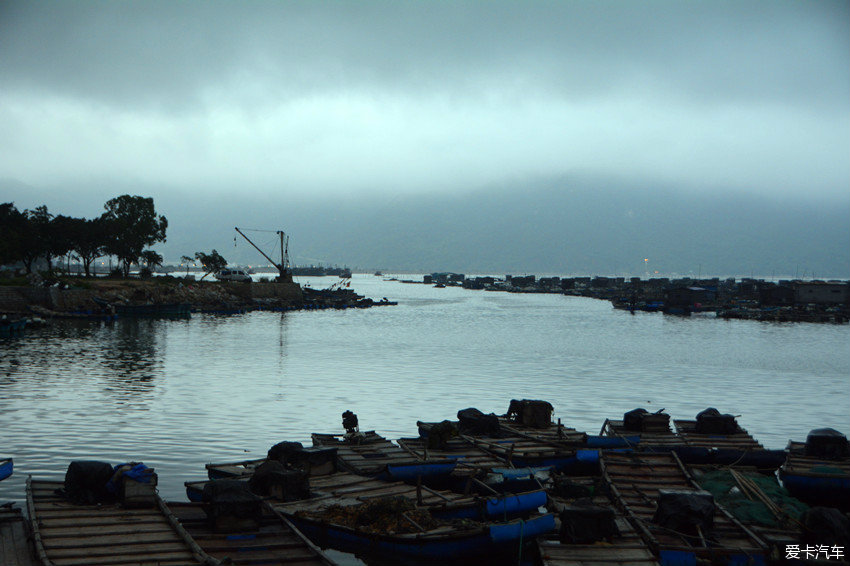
(566, 226)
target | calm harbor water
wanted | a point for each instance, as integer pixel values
(177, 394)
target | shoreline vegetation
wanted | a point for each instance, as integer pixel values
(72, 297)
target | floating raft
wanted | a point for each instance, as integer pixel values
(738, 448)
(89, 535)
(556, 433)
(623, 549)
(519, 451)
(373, 455)
(233, 470)
(472, 462)
(469, 542)
(14, 543)
(814, 480)
(660, 437)
(275, 543)
(636, 480)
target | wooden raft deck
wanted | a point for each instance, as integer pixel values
(370, 456)
(739, 440)
(635, 481)
(276, 543)
(343, 488)
(658, 438)
(15, 549)
(626, 549)
(90, 535)
(471, 460)
(555, 434)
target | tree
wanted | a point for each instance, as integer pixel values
(89, 240)
(35, 239)
(151, 259)
(133, 224)
(187, 260)
(13, 228)
(211, 262)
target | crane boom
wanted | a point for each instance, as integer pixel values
(281, 267)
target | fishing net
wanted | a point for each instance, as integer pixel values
(727, 492)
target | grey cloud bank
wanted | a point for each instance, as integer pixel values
(337, 97)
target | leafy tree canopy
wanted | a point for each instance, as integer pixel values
(212, 262)
(134, 224)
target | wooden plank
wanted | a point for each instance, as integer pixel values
(142, 552)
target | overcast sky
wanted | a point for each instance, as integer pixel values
(323, 98)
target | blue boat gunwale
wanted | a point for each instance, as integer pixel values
(7, 467)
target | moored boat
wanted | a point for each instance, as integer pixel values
(591, 531)
(717, 439)
(14, 540)
(68, 534)
(274, 541)
(7, 466)
(680, 522)
(391, 529)
(652, 429)
(370, 454)
(818, 471)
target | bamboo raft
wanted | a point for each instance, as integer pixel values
(739, 440)
(370, 454)
(98, 535)
(625, 549)
(517, 450)
(555, 434)
(14, 543)
(817, 481)
(658, 437)
(472, 462)
(276, 543)
(635, 481)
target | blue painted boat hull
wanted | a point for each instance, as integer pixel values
(819, 490)
(497, 542)
(6, 468)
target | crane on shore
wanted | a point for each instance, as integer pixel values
(282, 267)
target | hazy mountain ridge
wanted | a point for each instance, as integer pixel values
(550, 226)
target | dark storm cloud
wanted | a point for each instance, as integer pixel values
(426, 95)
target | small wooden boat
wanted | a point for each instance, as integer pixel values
(642, 483)
(66, 534)
(275, 543)
(758, 501)
(379, 535)
(370, 454)
(523, 452)
(652, 429)
(619, 545)
(14, 542)
(817, 477)
(351, 489)
(477, 469)
(7, 466)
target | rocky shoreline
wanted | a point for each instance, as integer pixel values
(91, 297)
